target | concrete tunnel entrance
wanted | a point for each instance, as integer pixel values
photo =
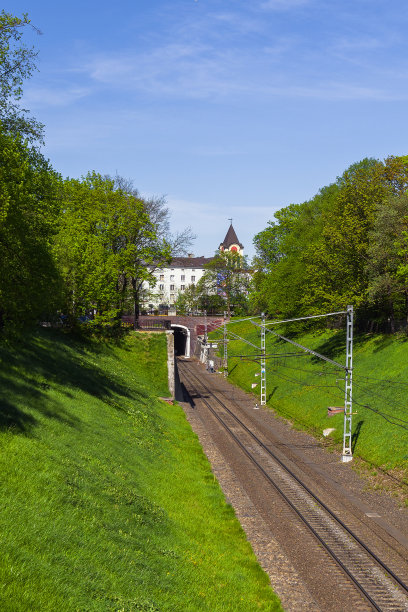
(181, 340)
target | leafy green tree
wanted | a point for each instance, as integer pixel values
(107, 246)
(278, 249)
(279, 283)
(17, 63)
(387, 265)
(395, 174)
(29, 210)
(326, 253)
(227, 275)
(188, 301)
(158, 247)
(339, 263)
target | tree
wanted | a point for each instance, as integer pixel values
(161, 248)
(188, 301)
(159, 214)
(347, 245)
(387, 265)
(107, 247)
(228, 276)
(275, 284)
(17, 63)
(335, 268)
(29, 209)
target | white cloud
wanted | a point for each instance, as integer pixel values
(283, 5)
(237, 23)
(186, 71)
(360, 43)
(181, 72)
(38, 97)
(337, 91)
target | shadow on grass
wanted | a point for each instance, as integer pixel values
(271, 394)
(335, 347)
(232, 369)
(355, 435)
(52, 360)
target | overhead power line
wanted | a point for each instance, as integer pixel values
(388, 417)
(246, 319)
(304, 348)
(329, 314)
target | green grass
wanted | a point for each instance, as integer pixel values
(302, 388)
(108, 502)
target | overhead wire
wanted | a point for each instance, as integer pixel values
(298, 382)
(384, 415)
(392, 419)
(378, 395)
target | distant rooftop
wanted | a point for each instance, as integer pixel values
(190, 262)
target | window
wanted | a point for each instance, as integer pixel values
(192, 279)
(161, 287)
(171, 287)
(183, 278)
(171, 277)
(161, 276)
(182, 287)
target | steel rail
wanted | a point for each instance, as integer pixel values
(369, 552)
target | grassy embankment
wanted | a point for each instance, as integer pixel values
(108, 502)
(302, 388)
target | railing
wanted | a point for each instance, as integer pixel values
(153, 324)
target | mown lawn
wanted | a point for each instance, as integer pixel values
(302, 387)
(108, 502)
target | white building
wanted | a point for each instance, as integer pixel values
(182, 272)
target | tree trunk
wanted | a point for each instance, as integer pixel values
(406, 304)
(392, 317)
(136, 309)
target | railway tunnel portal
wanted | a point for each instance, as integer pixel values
(186, 329)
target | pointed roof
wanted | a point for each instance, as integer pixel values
(230, 239)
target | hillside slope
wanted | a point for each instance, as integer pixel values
(301, 388)
(108, 502)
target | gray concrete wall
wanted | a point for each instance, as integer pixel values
(170, 363)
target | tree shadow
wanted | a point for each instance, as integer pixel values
(52, 360)
(335, 347)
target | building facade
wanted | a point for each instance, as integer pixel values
(182, 272)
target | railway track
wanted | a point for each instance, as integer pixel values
(379, 585)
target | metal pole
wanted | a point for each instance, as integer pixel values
(348, 391)
(263, 362)
(225, 346)
(205, 340)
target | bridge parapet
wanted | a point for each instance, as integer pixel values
(196, 325)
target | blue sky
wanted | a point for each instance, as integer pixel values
(228, 108)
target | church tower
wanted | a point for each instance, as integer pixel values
(231, 242)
